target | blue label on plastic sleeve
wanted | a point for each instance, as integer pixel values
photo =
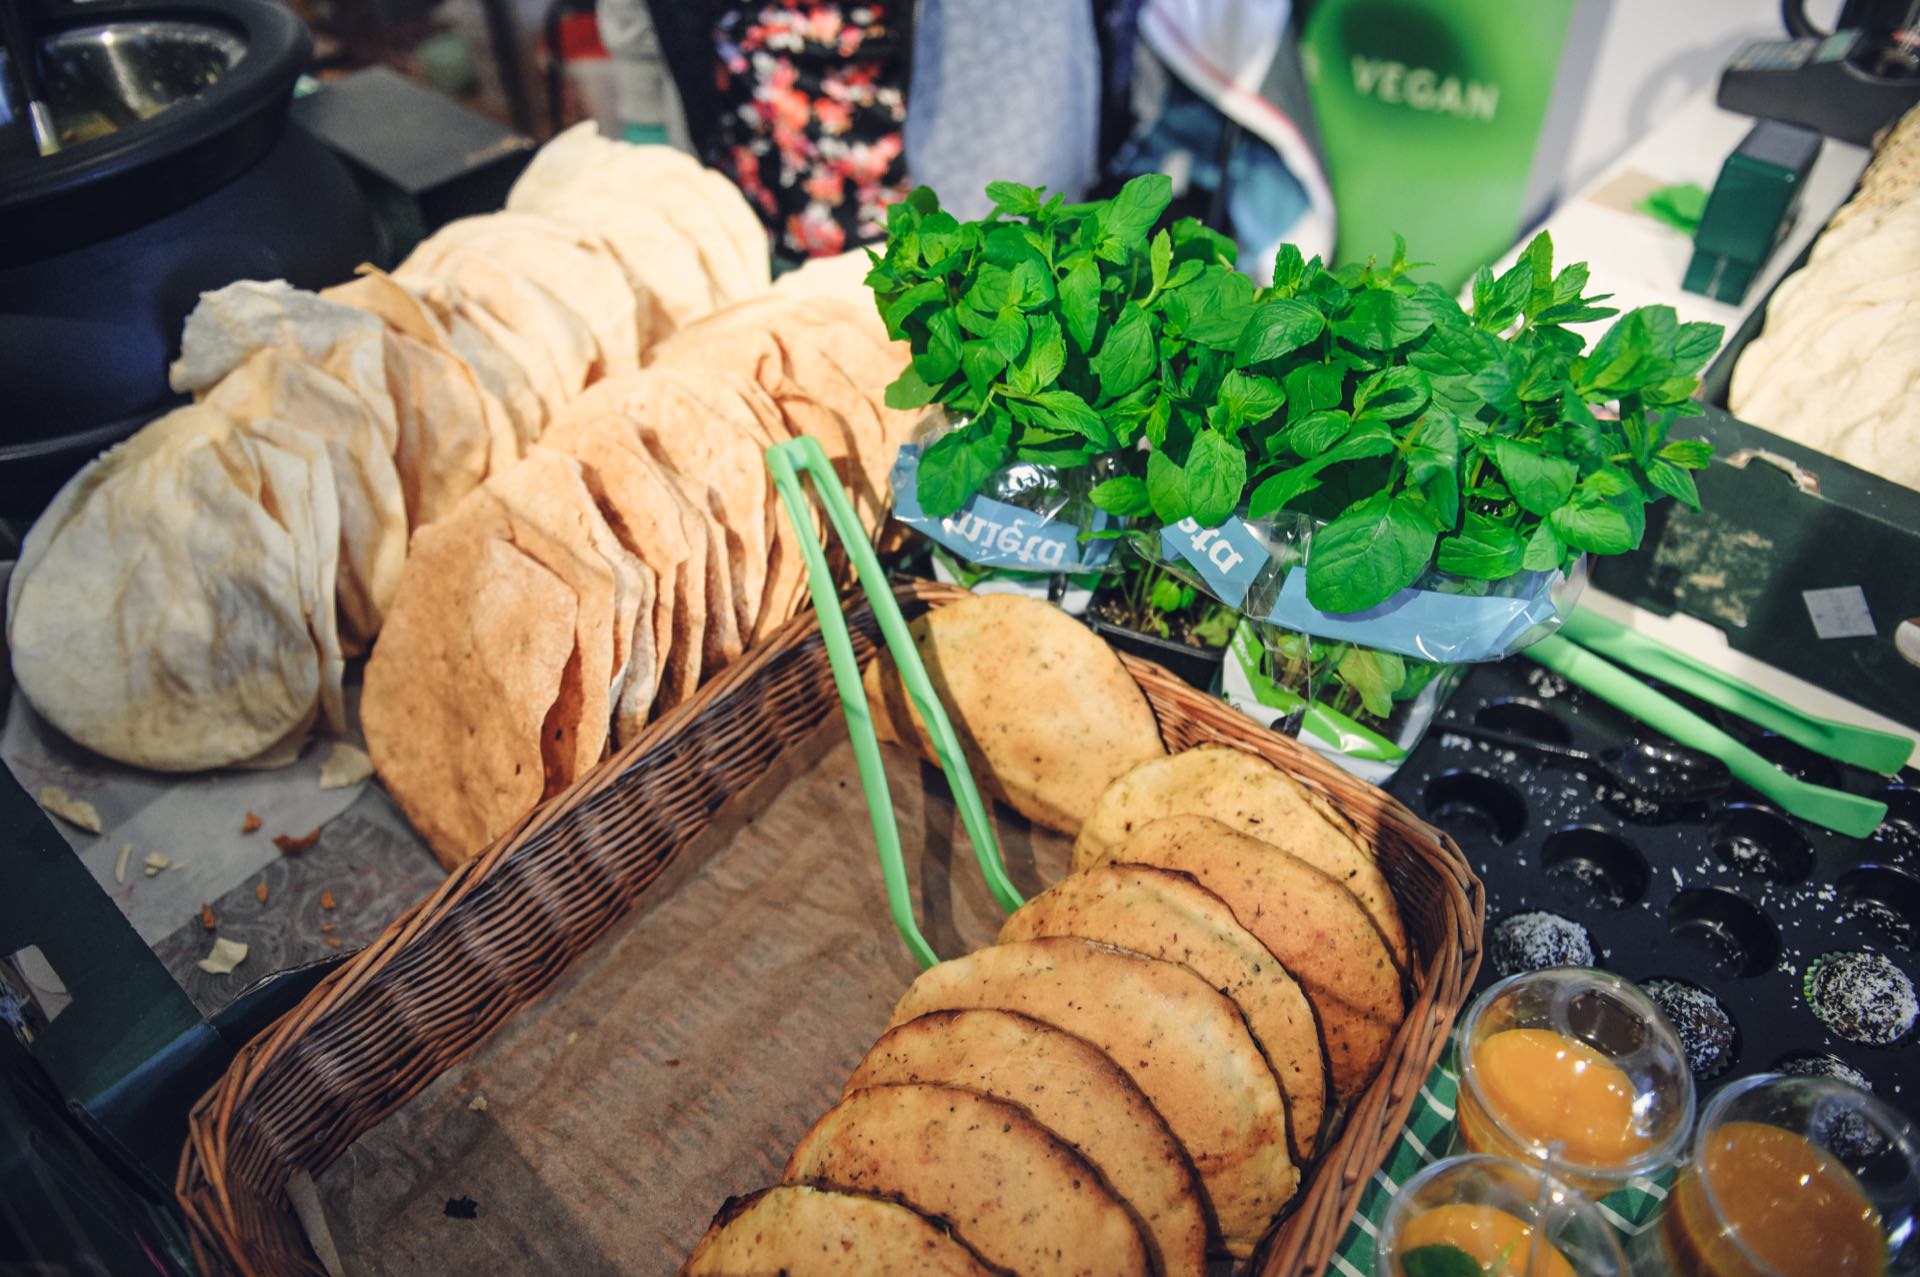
(994, 534)
(1228, 557)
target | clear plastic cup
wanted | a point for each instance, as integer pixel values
(1494, 1207)
(1607, 1098)
(1792, 1177)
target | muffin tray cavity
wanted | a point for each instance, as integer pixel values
(1770, 943)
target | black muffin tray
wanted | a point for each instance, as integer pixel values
(1729, 896)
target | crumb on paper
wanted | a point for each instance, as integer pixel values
(207, 921)
(260, 891)
(345, 765)
(462, 1208)
(156, 862)
(326, 928)
(326, 900)
(120, 865)
(672, 1063)
(573, 1037)
(249, 823)
(478, 1104)
(224, 957)
(333, 942)
(292, 846)
(81, 815)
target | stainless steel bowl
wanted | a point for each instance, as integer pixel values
(101, 78)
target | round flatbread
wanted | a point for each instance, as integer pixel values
(1182, 1042)
(1246, 793)
(1166, 914)
(1071, 1088)
(1047, 714)
(158, 614)
(1011, 1189)
(796, 1230)
(1307, 920)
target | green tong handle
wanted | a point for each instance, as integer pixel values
(786, 461)
(1883, 752)
(1850, 814)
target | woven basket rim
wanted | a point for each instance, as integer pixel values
(1305, 1240)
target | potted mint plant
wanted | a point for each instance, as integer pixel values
(1347, 454)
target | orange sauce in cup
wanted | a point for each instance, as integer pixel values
(1791, 1204)
(1545, 1088)
(1498, 1241)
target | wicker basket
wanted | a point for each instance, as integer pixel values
(501, 929)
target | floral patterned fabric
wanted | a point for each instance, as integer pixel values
(812, 103)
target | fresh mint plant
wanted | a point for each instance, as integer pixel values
(1484, 441)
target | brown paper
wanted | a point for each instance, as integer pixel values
(686, 1055)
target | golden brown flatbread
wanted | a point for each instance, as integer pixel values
(1251, 795)
(1307, 919)
(1045, 711)
(1183, 1043)
(1071, 1088)
(1011, 1189)
(796, 1230)
(464, 680)
(1166, 914)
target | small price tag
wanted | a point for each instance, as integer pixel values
(1839, 612)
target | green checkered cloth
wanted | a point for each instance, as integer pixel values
(1426, 1139)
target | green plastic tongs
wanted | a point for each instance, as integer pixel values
(787, 461)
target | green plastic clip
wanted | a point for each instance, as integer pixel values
(787, 461)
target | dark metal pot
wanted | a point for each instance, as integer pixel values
(179, 172)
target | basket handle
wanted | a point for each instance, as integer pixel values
(786, 461)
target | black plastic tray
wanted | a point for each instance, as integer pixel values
(1730, 896)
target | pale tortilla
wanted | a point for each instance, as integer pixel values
(1047, 714)
(1182, 1042)
(500, 377)
(463, 681)
(541, 333)
(1071, 1088)
(1255, 797)
(1307, 919)
(1166, 914)
(1010, 1188)
(157, 615)
(373, 511)
(569, 261)
(301, 498)
(801, 1231)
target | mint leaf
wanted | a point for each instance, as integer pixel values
(1313, 435)
(1392, 393)
(1123, 495)
(910, 390)
(1213, 309)
(1012, 197)
(941, 359)
(1129, 216)
(1367, 440)
(1375, 676)
(1274, 492)
(1065, 410)
(1368, 554)
(1673, 480)
(1248, 398)
(1167, 488)
(1440, 1261)
(1482, 548)
(1544, 551)
(1009, 335)
(1311, 388)
(1080, 301)
(1277, 328)
(1540, 483)
(1216, 472)
(981, 363)
(953, 469)
(1693, 454)
(1159, 258)
(1032, 285)
(1694, 345)
(903, 307)
(1381, 320)
(1127, 357)
(1594, 525)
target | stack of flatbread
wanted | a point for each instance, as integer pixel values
(1139, 1071)
(191, 598)
(1838, 365)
